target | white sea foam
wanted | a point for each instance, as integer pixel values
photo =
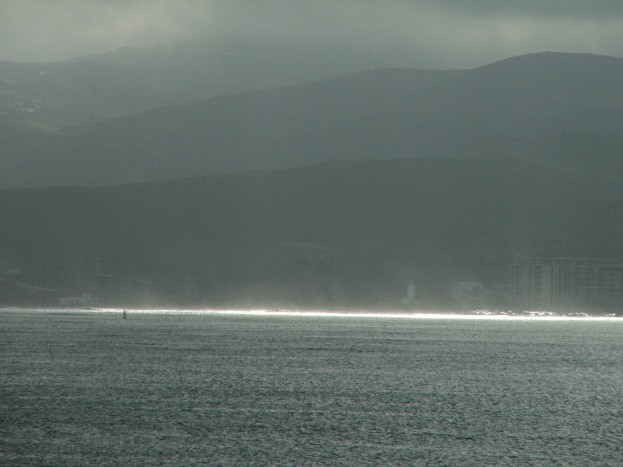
(424, 314)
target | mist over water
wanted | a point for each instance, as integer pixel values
(476, 315)
(239, 387)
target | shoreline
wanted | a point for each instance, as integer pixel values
(269, 312)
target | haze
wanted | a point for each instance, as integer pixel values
(420, 33)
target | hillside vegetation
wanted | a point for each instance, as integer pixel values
(334, 234)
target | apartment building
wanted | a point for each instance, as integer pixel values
(566, 282)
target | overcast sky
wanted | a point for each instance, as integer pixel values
(428, 33)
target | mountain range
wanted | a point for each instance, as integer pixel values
(559, 109)
(337, 192)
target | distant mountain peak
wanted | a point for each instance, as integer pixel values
(565, 109)
(555, 60)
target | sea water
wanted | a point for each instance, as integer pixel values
(240, 388)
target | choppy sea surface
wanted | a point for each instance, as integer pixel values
(86, 387)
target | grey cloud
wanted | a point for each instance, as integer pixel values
(41, 30)
(557, 9)
(430, 33)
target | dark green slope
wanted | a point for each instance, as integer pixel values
(339, 233)
(562, 109)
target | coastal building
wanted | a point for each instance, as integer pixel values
(566, 282)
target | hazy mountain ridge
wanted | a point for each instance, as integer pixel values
(565, 109)
(130, 80)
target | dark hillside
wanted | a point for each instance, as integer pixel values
(334, 234)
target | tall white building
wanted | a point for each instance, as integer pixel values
(567, 282)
